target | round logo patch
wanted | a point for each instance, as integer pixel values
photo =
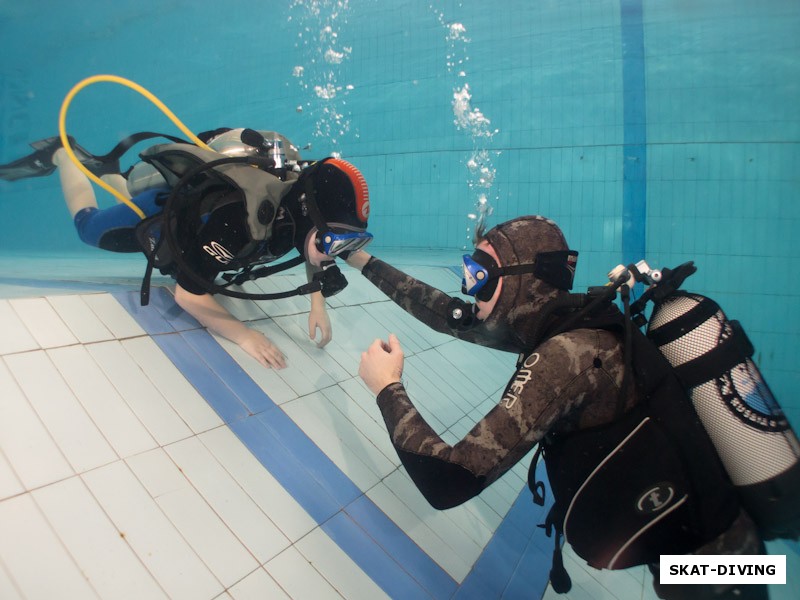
(749, 398)
(655, 499)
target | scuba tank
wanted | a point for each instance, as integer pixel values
(144, 176)
(712, 358)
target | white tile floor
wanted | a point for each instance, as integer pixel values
(142, 458)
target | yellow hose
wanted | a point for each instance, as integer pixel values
(62, 129)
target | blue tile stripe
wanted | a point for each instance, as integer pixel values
(516, 562)
(634, 176)
(395, 578)
(167, 316)
(361, 529)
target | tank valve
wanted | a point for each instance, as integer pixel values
(640, 271)
(646, 274)
(621, 271)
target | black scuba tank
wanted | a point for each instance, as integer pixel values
(712, 357)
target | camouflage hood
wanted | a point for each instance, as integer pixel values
(521, 300)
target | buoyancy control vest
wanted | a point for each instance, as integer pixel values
(201, 182)
(258, 191)
(691, 350)
(646, 484)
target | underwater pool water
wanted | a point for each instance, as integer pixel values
(645, 129)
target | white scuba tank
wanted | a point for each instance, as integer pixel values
(143, 177)
(713, 358)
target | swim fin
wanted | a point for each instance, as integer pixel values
(40, 162)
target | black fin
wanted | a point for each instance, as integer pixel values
(40, 162)
(36, 164)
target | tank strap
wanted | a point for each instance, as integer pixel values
(731, 351)
(678, 327)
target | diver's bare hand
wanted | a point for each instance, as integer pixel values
(382, 364)
(318, 319)
(259, 346)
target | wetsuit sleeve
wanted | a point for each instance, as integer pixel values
(547, 392)
(425, 303)
(222, 237)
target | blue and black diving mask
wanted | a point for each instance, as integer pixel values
(339, 239)
(481, 272)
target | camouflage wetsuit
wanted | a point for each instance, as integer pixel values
(570, 382)
(567, 383)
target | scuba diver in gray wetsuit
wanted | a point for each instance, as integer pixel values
(206, 212)
(571, 395)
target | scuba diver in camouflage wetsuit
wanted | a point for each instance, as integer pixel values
(565, 383)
